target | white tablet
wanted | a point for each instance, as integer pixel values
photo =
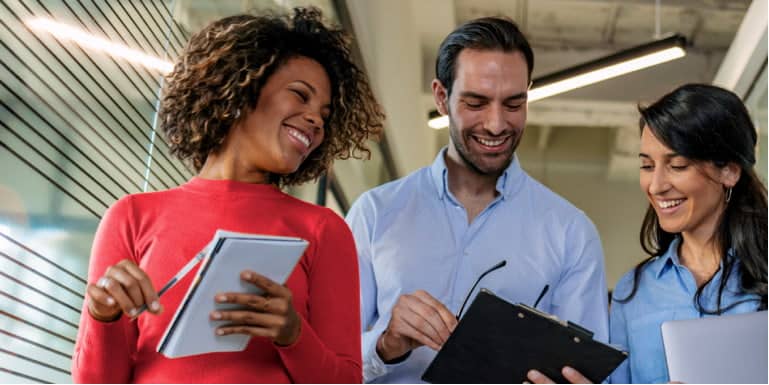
(726, 349)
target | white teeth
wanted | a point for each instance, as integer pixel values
(490, 143)
(299, 135)
(669, 204)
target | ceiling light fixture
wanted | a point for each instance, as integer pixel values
(598, 70)
(437, 121)
(84, 39)
(620, 63)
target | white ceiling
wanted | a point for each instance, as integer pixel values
(564, 33)
(399, 39)
(567, 32)
(612, 23)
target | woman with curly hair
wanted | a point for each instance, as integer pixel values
(255, 103)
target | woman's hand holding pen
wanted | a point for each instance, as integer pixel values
(123, 288)
(270, 315)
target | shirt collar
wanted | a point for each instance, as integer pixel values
(670, 258)
(506, 184)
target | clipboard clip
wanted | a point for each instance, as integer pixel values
(585, 333)
(580, 331)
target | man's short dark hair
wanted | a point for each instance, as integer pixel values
(487, 33)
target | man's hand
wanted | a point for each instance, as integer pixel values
(569, 373)
(417, 319)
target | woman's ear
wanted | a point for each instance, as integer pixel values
(730, 174)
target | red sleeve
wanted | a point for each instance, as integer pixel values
(103, 351)
(328, 347)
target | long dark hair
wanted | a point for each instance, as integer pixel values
(705, 123)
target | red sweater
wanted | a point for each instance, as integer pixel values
(161, 231)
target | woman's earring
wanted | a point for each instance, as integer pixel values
(237, 113)
(728, 194)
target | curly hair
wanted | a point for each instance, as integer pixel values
(224, 67)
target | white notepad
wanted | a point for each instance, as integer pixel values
(191, 330)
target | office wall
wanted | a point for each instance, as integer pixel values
(575, 164)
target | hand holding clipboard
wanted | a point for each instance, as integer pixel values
(499, 342)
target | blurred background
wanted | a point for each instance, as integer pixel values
(80, 81)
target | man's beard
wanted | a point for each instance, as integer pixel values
(464, 153)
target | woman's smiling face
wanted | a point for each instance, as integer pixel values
(288, 121)
(687, 196)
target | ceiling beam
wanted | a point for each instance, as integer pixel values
(709, 5)
(611, 24)
(747, 53)
(697, 24)
(575, 113)
(523, 15)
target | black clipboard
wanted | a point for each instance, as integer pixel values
(498, 342)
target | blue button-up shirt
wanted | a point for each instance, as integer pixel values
(413, 234)
(665, 292)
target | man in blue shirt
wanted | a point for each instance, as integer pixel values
(424, 239)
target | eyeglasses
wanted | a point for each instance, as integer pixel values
(499, 265)
(495, 267)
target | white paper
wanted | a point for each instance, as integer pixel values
(191, 330)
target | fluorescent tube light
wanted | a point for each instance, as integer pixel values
(620, 63)
(438, 121)
(623, 62)
(84, 39)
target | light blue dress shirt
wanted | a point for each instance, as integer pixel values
(413, 234)
(666, 292)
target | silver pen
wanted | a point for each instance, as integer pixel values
(178, 277)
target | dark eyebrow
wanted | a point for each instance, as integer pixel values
(470, 94)
(523, 95)
(312, 89)
(669, 155)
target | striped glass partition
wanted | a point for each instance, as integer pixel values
(77, 118)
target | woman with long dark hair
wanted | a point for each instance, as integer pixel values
(705, 228)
